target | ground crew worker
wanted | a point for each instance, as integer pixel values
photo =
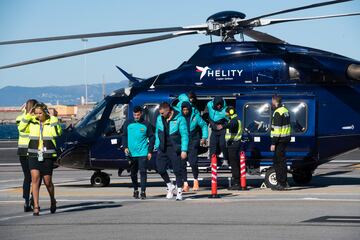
(280, 137)
(138, 140)
(43, 130)
(217, 120)
(233, 145)
(22, 152)
(194, 123)
(171, 141)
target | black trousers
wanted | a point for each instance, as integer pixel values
(27, 177)
(234, 160)
(170, 158)
(218, 143)
(138, 163)
(279, 163)
(193, 151)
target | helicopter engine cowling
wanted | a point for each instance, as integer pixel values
(353, 71)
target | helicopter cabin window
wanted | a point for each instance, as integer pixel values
(298, 116)
(117, 119)
(151, 112)
(257, 117)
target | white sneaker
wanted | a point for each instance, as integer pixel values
(170, 191)
(179, 196)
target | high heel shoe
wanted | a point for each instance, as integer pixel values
(53, 206)
(36, 213)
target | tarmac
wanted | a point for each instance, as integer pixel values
(328, 208)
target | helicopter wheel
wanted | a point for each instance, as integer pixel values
(302, 176)
(270, 178)
(100, 179)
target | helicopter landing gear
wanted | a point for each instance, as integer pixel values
(270, 178)
(302, 176)
(100, 179)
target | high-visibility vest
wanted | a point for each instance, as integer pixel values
(44, 140)
(23, 140)
(281, 130)
(234, 137)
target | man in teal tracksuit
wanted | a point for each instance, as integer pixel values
(171, 141)
(197, 128)
(138, 142)
(217, 120)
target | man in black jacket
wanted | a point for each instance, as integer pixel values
(280, 137)
(233, 143)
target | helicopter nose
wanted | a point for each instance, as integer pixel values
(353, 71)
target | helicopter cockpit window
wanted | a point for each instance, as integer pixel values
(87, 126)
(151, 112)
(257, 117)
(117, 119)
(298, 116)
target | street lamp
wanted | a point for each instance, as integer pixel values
(84, 40)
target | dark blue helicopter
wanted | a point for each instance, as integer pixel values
(321, 90)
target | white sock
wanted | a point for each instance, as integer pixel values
(179, 190)
(169, 185)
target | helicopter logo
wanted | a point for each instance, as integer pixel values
(203, 70)
(219, 74)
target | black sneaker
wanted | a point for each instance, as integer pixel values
(279, 188)
(143, 195)
(27, 208)
(136, 194)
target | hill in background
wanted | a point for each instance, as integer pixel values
(65, 95)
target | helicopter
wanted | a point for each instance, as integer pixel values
(321, 90)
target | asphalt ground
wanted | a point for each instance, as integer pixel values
(329, 208)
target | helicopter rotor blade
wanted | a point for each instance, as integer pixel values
(265, 22)
(262, 37)
(248, 22)
(107, 34)
(102, 48)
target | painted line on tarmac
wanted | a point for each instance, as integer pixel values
(9, 148)
(345, 161)
(10, 164)
(194, 200)
(11, 180)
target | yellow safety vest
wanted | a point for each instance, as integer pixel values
(229, 136)
(23, 140)
(43, 136)
(281, 131)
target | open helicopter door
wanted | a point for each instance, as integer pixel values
(255, 112)
(106, 152)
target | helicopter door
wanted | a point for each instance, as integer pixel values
(106, 152)
(255, 113)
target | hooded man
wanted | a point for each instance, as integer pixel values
(194, 124)
(217, 120)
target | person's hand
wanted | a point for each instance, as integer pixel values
(183, 155)
(219, 127)
(126, 150)
(149, 156)
(203, 142)
(272, 148)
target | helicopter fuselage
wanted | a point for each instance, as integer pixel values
(322, 98)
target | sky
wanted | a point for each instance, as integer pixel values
(40, 18)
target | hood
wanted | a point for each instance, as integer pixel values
(183, 97)
(188, 106)
(218, 100)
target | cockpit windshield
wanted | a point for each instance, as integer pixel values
(93, 116)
